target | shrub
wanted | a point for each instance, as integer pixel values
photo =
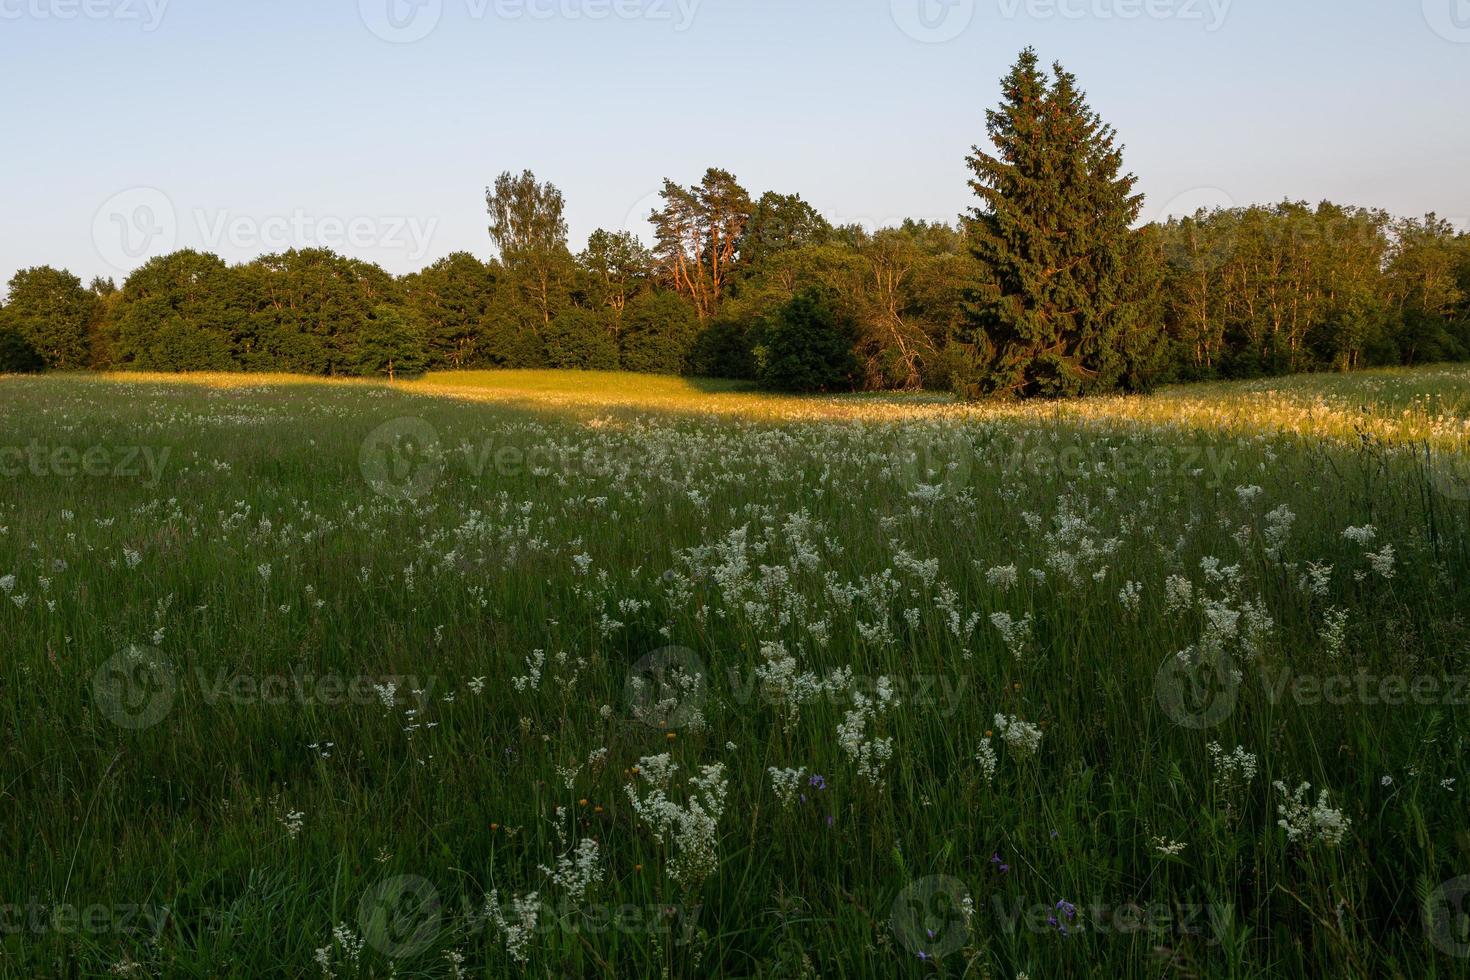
(390, 344)
(17, 354)
(809, 346)
(580, 339)
(658, 333)
(724, 349)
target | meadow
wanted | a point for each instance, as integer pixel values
(563, 675)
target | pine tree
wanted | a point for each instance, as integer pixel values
(1060, 311)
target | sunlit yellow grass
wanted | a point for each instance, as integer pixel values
(228, 379)
(1397, 406)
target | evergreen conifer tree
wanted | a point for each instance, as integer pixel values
(1066, 307)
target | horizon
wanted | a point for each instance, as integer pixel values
(808, 106)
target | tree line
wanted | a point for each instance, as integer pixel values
(1046, 287)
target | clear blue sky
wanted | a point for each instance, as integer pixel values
(257, 125)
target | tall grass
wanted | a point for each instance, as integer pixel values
(271, 670)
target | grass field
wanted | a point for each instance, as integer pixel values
(604, 675)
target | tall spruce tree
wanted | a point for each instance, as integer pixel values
(1060, 311)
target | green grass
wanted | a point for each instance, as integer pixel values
(232, 536)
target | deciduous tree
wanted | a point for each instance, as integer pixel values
(529, 228)
(54, 313)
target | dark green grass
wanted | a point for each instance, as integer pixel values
(165, 848)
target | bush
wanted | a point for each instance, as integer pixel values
(391, 344)
(724, 349)
(17, 354)
(511, 339)
(658, 333)
(809, 346)
(580, 339)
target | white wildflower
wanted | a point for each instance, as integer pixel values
(1022, 738)
(870, 754)
(1306, 823)
(1130, 596)
(1015, 633)
(785, 783)
(293, 821)
(689, 832)
(1178, 593)
(1382, 562)
(577, 872)
(985, 756)
(1248, 494)
(1002, 577)
(518, 926)
(1168, 848)
(531, 679)
(1333, 631)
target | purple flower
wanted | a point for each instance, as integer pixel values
(819, 782)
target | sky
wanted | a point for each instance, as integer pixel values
(134, 127)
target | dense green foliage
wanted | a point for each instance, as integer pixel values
(391, 345)
(184, 312)
(578, 338)
(17, 354)
(1270, 290)
(453, 299)
(808, 346)
(1044, 288)
(1058, 310)
(658, 329)
(54, 313)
